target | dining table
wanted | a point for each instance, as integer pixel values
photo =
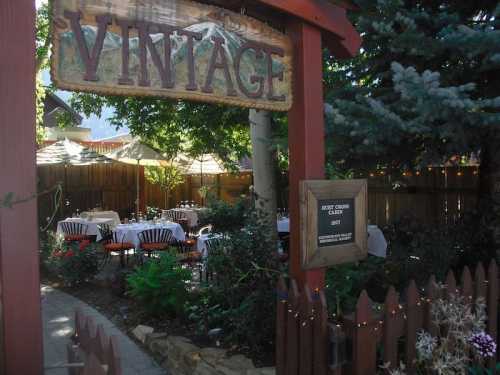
(130, 232)
(91, 223)
(112, 215)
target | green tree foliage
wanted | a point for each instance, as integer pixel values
(168, 178)
(425, 87)
(176, 126)
(42, 52)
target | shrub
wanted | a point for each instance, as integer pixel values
(461, 346)
(225, 217)
(242, 298)
(160, 285)
(75, 262)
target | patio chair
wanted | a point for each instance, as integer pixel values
(156, 240)
(114, 243)
(174, 215)
(211, 245)
(74, 231)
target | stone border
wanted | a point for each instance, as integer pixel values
(181, 357)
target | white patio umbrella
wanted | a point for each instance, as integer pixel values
(67, 152)
(137, 153)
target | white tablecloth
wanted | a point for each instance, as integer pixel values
(130, 232)
(103, 215)
(377, 245)
(91, 225)
(284, 225)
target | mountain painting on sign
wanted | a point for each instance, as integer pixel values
(176, 49)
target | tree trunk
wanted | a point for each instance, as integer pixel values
(264, 165)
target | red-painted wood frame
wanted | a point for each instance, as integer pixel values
(20, 322)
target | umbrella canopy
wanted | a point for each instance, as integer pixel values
(205, 164)
(69, 153)
(139, 154)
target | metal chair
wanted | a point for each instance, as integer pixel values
(113, 243)
(157, 239)
(211, 245)
(74, 231)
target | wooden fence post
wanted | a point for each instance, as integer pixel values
(432, 293)
(306, 332)
(320, 337)
(292, 330)
(281, 324)
(413, 312)
(364, 341)
(492, 304)
(390, 334)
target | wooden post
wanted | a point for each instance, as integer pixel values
(20, 317)
(306, 135)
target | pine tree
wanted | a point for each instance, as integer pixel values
(425, 87)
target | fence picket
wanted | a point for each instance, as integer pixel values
(479, 281)
(364, 342)
(451, 284)
(293, 329)
(467, 289)
(306, 332)
(281, 319)
(432, 293)
(99, 344)
(113, 355)
(413, 312)
(93, 367)
(493, 305)
(320, 336)
(391, 315)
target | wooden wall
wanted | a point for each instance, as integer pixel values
(435, 195)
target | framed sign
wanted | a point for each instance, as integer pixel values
(177, 49)
(333, 222)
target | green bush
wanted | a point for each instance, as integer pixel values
(75, 262)
(160, 285)
(223, 216)
(242, 297)
(416, 250)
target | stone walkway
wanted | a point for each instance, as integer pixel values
(58, 310)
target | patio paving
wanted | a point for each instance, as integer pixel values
(58, 322)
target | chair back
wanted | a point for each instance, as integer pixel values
(212, 244)
(157, 235)
(205, 230)
(71, 228)
(174, 215)
(105, 232)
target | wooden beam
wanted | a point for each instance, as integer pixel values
(339, 34)
(306, 136)
(20, 317)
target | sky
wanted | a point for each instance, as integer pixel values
(100, 127)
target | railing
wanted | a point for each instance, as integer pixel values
(92, 351)
(307, 343)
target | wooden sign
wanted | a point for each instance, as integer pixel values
(170, 48)
(333, 222)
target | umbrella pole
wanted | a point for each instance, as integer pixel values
(201, 180)
(137, 189)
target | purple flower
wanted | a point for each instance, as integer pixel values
(483, 344)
